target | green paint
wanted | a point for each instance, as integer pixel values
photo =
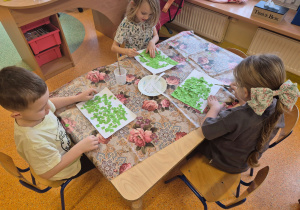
(159, 61)
(107, 116)
(192, 91)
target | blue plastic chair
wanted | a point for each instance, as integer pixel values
(9, 165)
(213, 185)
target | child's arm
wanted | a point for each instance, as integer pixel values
(151, 48)
(215, 107)
(124, 51)
(87, 144)
(60, 102)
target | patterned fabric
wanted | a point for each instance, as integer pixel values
(261, 98)
(134, 35)
(158, 123)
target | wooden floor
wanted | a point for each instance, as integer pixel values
(92, 191)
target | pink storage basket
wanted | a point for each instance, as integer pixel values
(48, 55)
(45, 41)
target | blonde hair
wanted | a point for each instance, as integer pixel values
(134, 6)
(268, 71)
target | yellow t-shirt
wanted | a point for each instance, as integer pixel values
(43, 145)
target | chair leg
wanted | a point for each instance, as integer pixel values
(251, 171)
(169, 30)
(170, 180)
(245, 183)
(63, 186)
(202, 199)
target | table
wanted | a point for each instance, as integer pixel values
(17, 13)
(134, 170)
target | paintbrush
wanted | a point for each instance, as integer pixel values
(224, 86)
(118, 64)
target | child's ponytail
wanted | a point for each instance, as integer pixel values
(268, 126)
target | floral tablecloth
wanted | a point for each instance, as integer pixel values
(158, 122)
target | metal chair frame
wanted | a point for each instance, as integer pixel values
(213, 185)
(203, 200)
(9, 165)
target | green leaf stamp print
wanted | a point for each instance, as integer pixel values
(159, 61)
(192, 91)
(107, 116)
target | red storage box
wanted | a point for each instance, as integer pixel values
(41, 35)
(48, 55)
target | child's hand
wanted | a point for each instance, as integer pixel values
(86, 95)
(131, 52)
(87, 144)
(102, 140)
(213, 103)
(234, 88)
(151, 48)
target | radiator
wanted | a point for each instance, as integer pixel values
(202, 21)
(286, 48)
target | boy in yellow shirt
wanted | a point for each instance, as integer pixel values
(39, 136)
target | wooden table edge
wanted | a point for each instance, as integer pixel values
(135, 182)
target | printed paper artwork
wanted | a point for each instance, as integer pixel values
(195, 90)
(106, 112)
(158, 64)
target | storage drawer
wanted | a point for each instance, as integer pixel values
(48, 55)
(41, 35)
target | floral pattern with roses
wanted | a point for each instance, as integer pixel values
(205, 63)
(124, 167)
(179, 135)
(212, 47)
(155, 104)
(172, 81)
(142, 134)
(132, 79)
(123, 97)
(98, 75)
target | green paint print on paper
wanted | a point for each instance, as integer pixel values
(108, 117)
(160, 61)
(192, 91)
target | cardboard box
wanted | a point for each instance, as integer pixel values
(269, 14)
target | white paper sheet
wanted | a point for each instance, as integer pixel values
(153, 70)
(114, 103)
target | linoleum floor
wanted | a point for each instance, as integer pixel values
(281, 190)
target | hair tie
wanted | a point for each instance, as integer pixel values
(261, 98)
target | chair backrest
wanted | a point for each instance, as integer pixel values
(212, 183)
(9, 165)
(169, 10)
(237, 52)
(256, 183)
(290, 120)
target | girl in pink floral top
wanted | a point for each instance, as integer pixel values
(236, 138)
